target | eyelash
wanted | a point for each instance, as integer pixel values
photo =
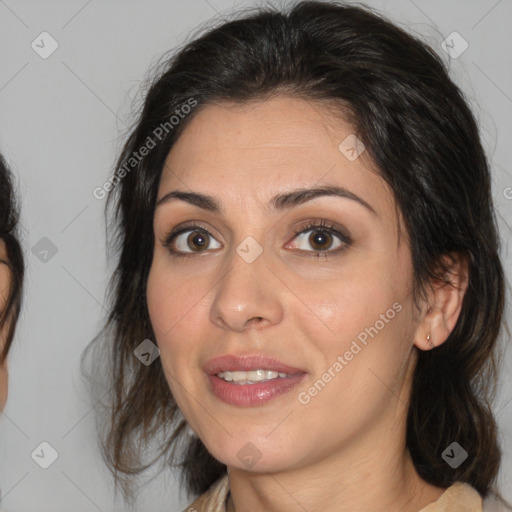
(320, 225)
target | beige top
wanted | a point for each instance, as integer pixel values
(459, 497)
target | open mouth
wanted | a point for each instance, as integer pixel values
(251, 377)
(250, 380)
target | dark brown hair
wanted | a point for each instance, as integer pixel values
(9, 218)
(421, 135)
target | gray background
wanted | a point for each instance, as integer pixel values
(62, 122)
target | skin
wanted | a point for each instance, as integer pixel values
(345, 450)
(4, 291)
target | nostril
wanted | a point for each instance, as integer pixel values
(255, 319)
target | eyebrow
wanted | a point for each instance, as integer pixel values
(278, 203)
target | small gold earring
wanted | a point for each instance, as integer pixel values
(431, 343)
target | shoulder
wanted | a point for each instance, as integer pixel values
(213, 500)
(459, 497)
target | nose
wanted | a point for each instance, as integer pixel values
(248, 295)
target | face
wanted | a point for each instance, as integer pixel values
(316, 282)
(4, 292)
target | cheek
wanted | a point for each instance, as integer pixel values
(168, 297)
(371, 329)
(168, 315)
(341, 307)
(366, 321)
(176, 306)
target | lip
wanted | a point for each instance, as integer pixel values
(250, 395)
(247, 363)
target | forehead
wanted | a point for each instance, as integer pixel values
(266, 147)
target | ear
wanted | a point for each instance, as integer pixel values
(444, 303)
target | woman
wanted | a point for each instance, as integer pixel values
(11, 273)
(305, 230)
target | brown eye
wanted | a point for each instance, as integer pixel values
(320, 240)
(197, 240)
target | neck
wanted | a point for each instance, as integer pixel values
(378, 476)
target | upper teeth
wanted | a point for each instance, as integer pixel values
(251, 376)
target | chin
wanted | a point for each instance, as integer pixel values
(256, 454)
